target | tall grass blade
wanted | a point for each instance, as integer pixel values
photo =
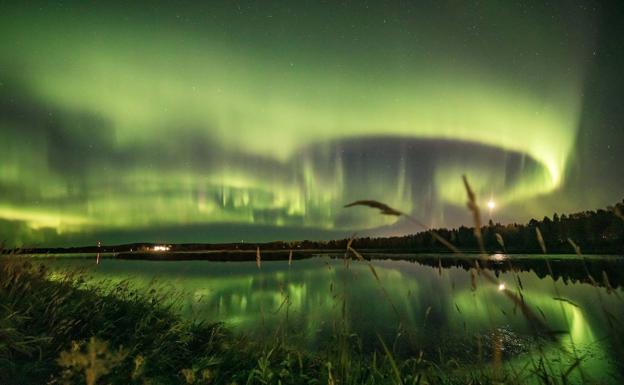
(501, 242)
(476, 215)
(540, 239)
(393, 364)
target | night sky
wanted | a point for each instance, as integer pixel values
(258, 121)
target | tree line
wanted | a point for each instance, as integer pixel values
(600, 231)
(594, 232)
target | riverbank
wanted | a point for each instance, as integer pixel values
(61, 330)
(58, 328)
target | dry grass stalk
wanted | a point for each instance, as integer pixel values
(516, 299)
(474, 208)
(473, 279)
(258, 257)
(361, 258)
(528, 314)
(540, 239)
(561, 299)
(387, 210)
(393, 364)
(476, 215)
(374, 272)
(94, 360)
(346, 255)
(384, 208)
(501, 242)
(605, 280)
(577, 250)
(330, 377)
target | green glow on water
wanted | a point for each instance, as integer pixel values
(304, 303)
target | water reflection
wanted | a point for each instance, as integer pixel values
(430, 304)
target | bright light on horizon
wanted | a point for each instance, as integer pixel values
(491, 204)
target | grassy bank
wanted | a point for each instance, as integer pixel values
(63, 330)
(60, 329)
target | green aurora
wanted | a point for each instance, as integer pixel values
(186, 123)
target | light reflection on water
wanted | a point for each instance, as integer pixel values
(433, 308)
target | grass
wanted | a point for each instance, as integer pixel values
(65, 330)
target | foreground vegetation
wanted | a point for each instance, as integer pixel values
(57, 328)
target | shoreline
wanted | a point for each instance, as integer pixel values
(283, 255)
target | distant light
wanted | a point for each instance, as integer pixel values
(498, 257)
(491, 204)
(161, 248)
(501, 286)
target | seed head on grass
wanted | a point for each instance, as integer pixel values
(540, 239)
(94, 360)
(387, 210)
(528, 314)
(476, 215)
(384, 208)
(501, 242)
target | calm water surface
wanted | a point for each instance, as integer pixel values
(430, 304)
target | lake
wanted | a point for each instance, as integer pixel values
(511, 310)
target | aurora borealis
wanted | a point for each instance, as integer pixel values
(241, 120)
